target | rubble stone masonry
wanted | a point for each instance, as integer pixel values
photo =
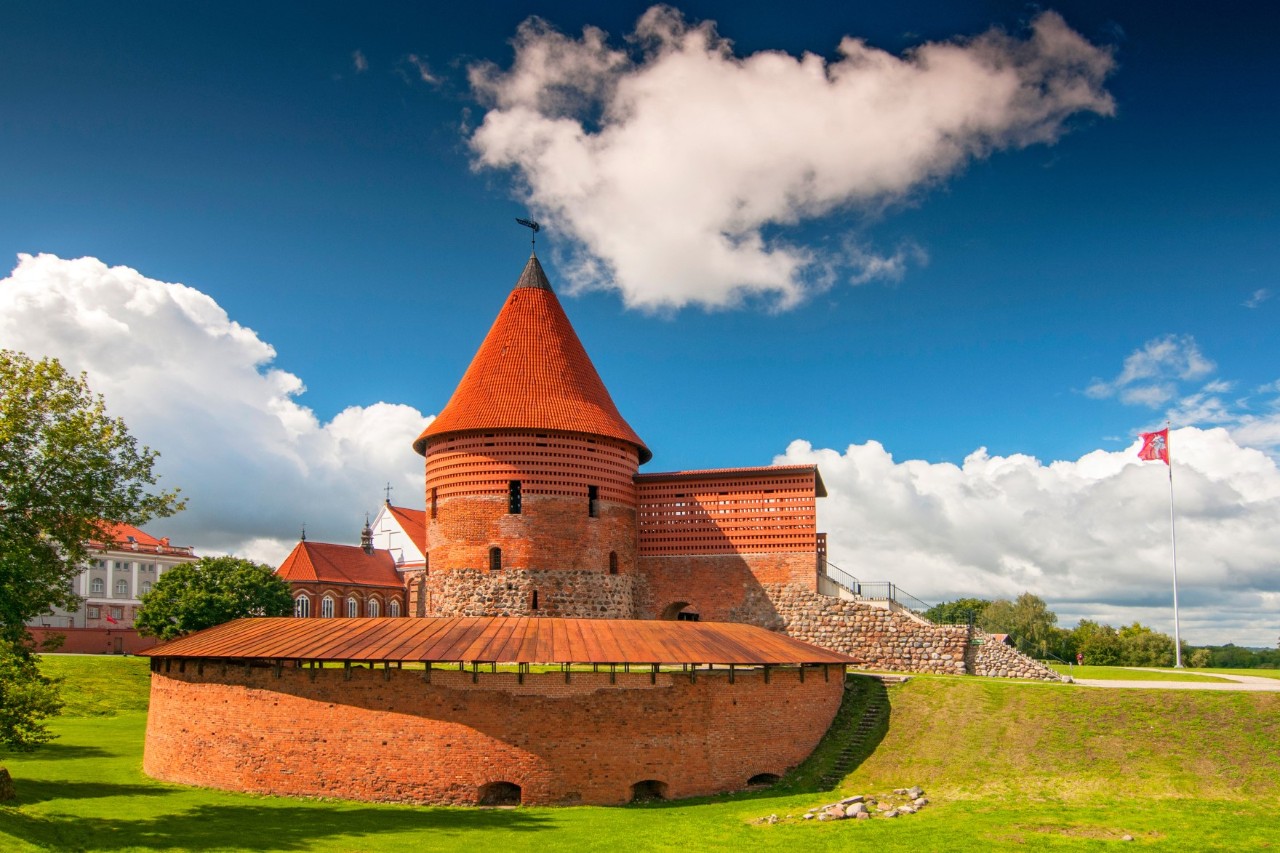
(392, 736)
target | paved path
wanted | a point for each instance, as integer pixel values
(1254, 683)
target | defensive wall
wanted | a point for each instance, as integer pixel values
(94, 641)
(472, 733)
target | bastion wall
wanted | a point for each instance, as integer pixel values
(389, 735)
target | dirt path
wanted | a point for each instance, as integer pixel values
(1229, 682)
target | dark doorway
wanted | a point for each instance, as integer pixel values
(499, 794)
(762, 779)
(648, 791)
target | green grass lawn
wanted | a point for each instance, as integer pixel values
(1261, 673)
(1120, 673)
(1008, 767)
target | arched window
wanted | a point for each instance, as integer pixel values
(326, 607)
(648, 790)
(498, 794)
(146, 587)
(97, 587)
(374, 607)
(495, 559)
(122, 588)
(302, 607)
(353, 607)
(613, 562)
(393, 609)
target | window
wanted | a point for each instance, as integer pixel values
(433, 501)
(513, 497)
(533, 600)
(393, 609)
(146, 587)
(613, 562)
(302, 607)
(122, 589)
(353, 608)
(593, 499)
(95, 612)
(375, 609)
(495, 559)
(326, 607)
(97, 586)
(117, 613)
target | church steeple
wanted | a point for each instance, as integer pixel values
(532, 373)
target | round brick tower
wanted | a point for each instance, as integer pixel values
(531, 502)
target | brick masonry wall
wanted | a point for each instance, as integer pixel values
(723, 587)
(404, 740)
(95, 641)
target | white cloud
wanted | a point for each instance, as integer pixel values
(666, 170)
(1091, 536)
(359, 62)
(1258, 297)
(1148, 373)
(197, 386)
(421, 70)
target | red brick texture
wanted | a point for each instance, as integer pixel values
(391, 736)
(723, 587)
(95, 641)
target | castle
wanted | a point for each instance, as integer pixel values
(536, 506)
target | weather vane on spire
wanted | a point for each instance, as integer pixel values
(532, 226)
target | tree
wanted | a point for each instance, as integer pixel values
(957, 612)
(1028, 620)
(208, 592)
(66, 470)
(1143, 646)
(1098, 644)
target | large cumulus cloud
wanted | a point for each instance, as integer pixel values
(191, 382)
(671, 170)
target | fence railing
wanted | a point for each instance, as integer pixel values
(874, 590)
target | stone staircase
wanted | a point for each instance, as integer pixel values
(874, 716)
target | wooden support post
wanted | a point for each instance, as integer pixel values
(346, 670)
(278, 669)
(566, 672)
(475, 673)
(766, 673)
(653, 674)
(613, 673)
(311, 670)
(826, 672)
(386, 670)
(731, 673)
(426, 672)
(182, 666)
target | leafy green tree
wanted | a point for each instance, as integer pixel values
(1200, 658)
(66, 469)
(1028, 620)
(956, 612)
(1099, 644)
(213, 590)
(26, 699)
(1143, 646)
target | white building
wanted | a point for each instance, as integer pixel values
(120, 571)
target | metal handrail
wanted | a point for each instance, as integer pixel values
(874, 590)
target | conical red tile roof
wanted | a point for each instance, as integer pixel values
(531, 372)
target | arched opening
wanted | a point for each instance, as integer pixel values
(302, 607)
(373, 608)
(681, 611)
(648, 791)
(495, 559)
(393, 609)
(498, 794)
(353, 608)
(533, 600)
(327, 607)
(763, 779)
(613, 562)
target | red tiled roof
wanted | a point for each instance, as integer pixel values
(414, 523)
(713, 473)
(498, 640)
(343, 564)
(125, 536)
(531, 372)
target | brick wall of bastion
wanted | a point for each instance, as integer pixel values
(404, 740)
(885, 640)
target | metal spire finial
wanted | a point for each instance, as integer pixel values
(388, 491)
(535, 228)
(304, 531)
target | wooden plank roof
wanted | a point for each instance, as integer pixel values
(497, 639)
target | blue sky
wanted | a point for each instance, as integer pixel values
(314, 170)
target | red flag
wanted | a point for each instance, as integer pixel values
(1155, 445)
(106, 614)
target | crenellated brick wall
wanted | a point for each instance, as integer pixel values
(391, 736)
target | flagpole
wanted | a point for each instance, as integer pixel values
(1173, 539)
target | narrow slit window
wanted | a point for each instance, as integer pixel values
(433, 501)
(533, 601)
(495, 559)
(613, 562)
(513, 497)
(593, 500)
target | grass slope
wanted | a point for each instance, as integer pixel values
(1121, 673)
(1008, 766)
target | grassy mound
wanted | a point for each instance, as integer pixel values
(1006, 765)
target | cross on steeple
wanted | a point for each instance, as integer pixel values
(388, 491)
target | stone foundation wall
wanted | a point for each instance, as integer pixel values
(392, 736)
(995, 659)
(887, 640)
(575, 594)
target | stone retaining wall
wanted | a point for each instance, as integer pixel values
(567, 593)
